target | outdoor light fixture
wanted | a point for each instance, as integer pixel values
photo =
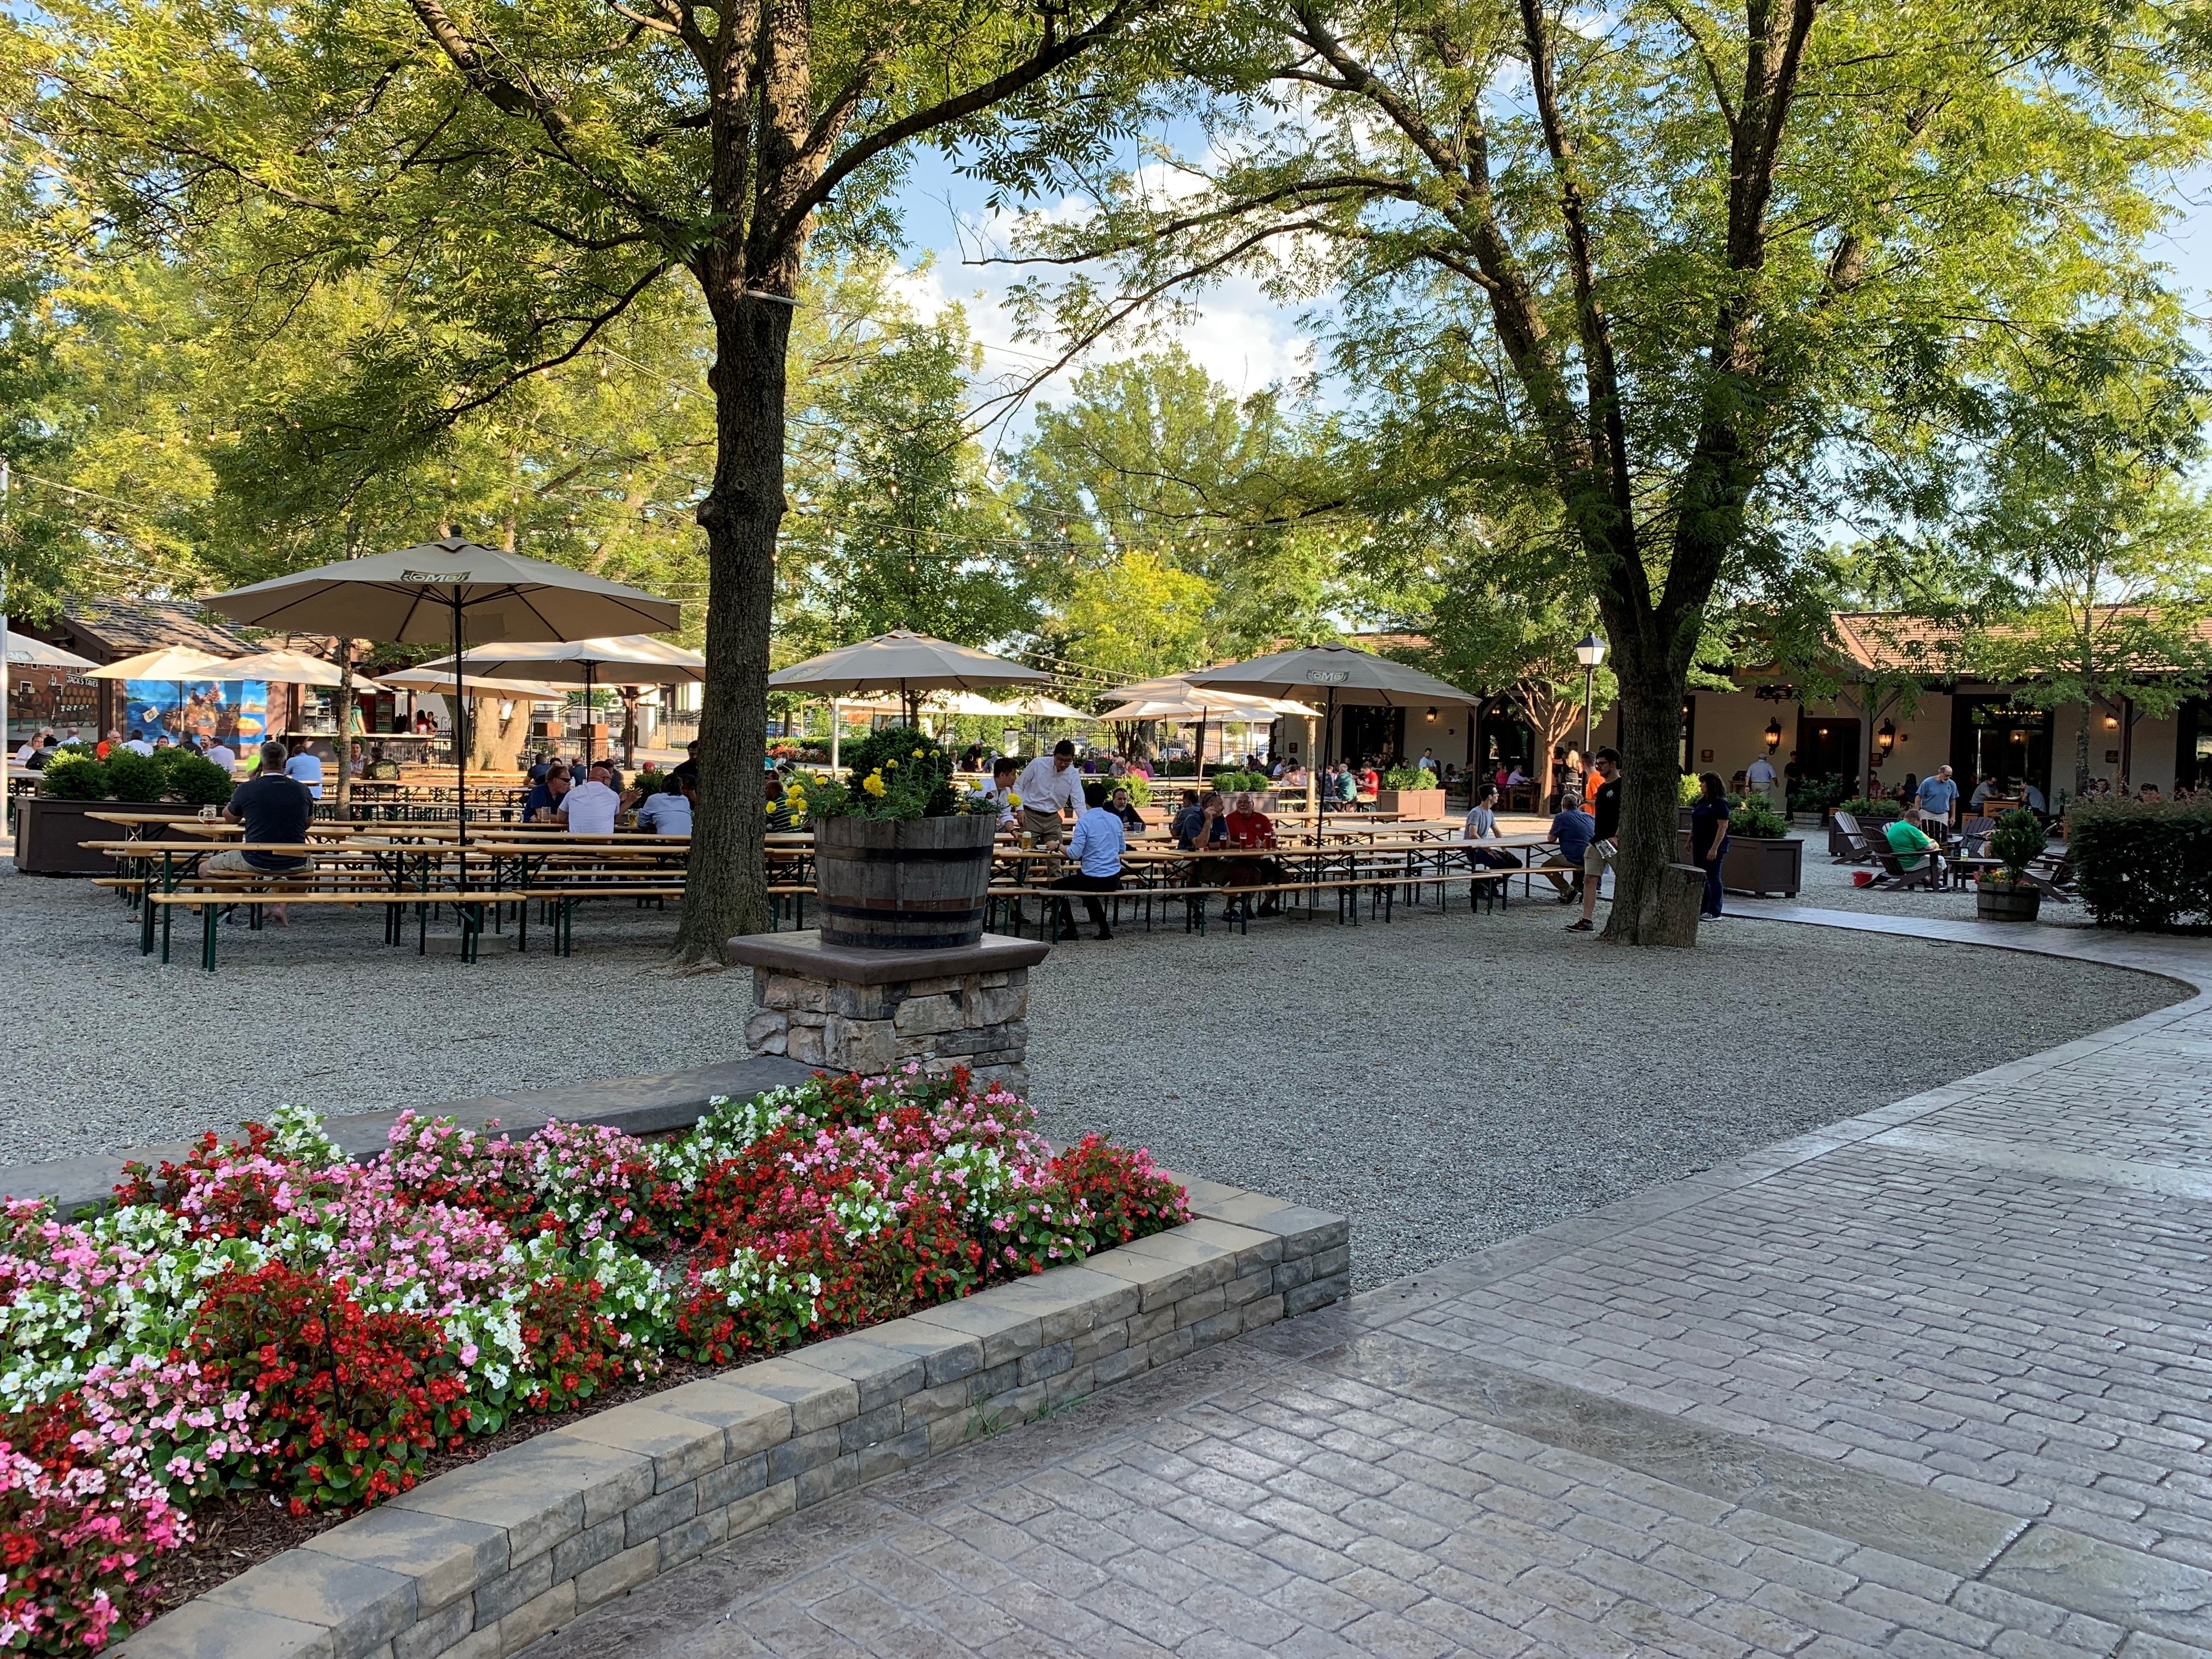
(1886, 739)
(2111, 722)
(1774, 734)
(1589, 652)
(1432, 717)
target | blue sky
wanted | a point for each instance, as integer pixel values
(1241, 335)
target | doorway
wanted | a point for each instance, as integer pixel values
(1996, 738)
(1828, 746)
(1371, 731)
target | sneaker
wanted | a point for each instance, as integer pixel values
(1569, 896)
(1580, 927)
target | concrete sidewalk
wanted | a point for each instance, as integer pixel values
(1934, 1381)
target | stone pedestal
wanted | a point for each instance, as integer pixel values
(847, 1010)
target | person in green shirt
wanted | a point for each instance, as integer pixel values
(1909, 845)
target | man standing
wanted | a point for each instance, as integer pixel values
(1939, 793)
(1049, 787)
(1095, 848)
(1761, 777)
(1604, 847)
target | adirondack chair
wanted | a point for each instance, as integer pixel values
(1862, 850)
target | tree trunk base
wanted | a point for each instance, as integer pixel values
(1682, 898)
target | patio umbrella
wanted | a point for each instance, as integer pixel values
(436, 679)
(24, 653)
(907, 662)
(293, 668)
(1345, 673)
(1175, 698)
(452, 590)
(581, 660)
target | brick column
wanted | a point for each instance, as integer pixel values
(873, 1011)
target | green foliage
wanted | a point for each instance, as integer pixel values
(75, 777)
(2019, 841)
(1230, 782)
(1138, 785)
(198, 781)
(1752, 816)
(1869, 813)
(1408, 777)
(896, 773)
(2145, 868)
(132, 776)
(1689, 790)
(1817, 794)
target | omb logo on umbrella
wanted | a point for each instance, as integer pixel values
(1327, 675)
(435, 578)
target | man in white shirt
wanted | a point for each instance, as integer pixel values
(668, 813)
(307, 767)
(138, 746)
(1096, 849)
(1050, 785)
(222, 755)
(1001, 793)
(589, 809)
(1761, 776)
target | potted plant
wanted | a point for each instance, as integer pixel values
(1412, 791)
(902, 860)
(51, 826)
(1763, 857)
(2006, 894)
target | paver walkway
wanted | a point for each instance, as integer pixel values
(1936, 1380)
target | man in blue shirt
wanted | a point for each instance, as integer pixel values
(1938, 794)
(1573, 829)
(1096, 849)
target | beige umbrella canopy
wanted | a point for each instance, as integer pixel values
(170, 662)
(1175, 698)
(630, 659)
(441, 680)
(451, 590)
(905, 663)
(26, 653)
(292, 668)
(1342, 674)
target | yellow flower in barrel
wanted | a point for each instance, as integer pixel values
(917, 754)
(873, 783)
(1014, 798)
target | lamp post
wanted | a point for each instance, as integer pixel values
(1590, 653)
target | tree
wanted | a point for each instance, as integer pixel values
(536, 172)
(2102, 552)
(1702, 272)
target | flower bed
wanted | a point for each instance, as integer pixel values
(267, 1315)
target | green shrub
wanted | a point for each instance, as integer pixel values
(1138, 785)
(197, 781)
(1407, 777)
(2019, 841)
(174, 756)
(75, 777)
(1689, 789)
(896, 772)
(134, 777)
(1753, 818)
(2148, 868)
(1871, 811)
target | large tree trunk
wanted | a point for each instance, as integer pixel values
(725, 887)
(1652, 682)
(344, 745)
(2082, 747)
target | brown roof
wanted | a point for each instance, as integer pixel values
(112, 630)
(1896, 643)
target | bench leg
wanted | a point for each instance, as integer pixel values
(167, 910)
(146, 922)
(209, 918)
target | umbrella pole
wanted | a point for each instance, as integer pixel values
(589, 711)
(460, 736)
(836, 731)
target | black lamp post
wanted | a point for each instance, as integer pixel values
(1590, 653)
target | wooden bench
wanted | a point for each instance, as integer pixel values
(213, 900)
(1485, 886)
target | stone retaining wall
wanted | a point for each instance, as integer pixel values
(977, 1020)
(479, 1562)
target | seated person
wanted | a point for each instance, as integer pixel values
(1573, 829)
(381, 769)
(1002, 794)
(665, 813)
(1910, 845)
(589, 809)
(546, 796)
(1249, 827)
(2149, 794)
(1481, 826)
(1202, 824)
(274, 810)
(1095, 849)
(1119, 803)
(781, 814)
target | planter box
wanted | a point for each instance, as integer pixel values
(47, 832)
(1994, 903)
(1759, 866)
(1413, 803)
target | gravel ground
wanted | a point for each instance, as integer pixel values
(1451, 1080)
(1448, 1081)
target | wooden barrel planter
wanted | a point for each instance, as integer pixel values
(1993, 902)
(910, 884)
